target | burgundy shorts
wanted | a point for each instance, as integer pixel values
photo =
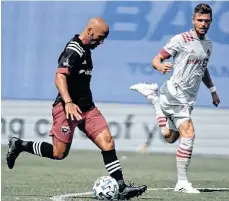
(92, 124)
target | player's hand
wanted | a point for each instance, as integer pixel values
(73, 111)
(166, 67)
(215, 99)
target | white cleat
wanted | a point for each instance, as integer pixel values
(145, 89)
(185, 187)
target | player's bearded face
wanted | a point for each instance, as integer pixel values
(201, 23)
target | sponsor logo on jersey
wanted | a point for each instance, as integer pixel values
(86, 72)
(194, 61)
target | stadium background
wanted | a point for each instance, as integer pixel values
(33, 36)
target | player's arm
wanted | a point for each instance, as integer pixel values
(61, 84)
(68, 60)
(69, 57)
(207, 80)
(169, 50)
(209, 84)
(158, 64)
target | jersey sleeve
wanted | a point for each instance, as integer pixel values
(172, 47)
(69, 58)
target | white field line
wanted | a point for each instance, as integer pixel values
(62, 197)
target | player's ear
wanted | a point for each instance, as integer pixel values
(89, 30)
(193, 19)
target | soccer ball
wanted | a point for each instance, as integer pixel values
(105, 188)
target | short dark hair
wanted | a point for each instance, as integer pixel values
(203, 9)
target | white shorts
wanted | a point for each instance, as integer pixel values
(174, 106)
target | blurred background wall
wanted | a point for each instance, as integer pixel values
(34, 34)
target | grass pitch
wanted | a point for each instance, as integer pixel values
(34, 178)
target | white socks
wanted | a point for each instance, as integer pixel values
(183, 157)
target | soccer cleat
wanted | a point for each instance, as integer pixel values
(13, 151)
(145, 89)
(185, 187)
(131, 191)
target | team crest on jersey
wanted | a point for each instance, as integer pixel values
(65, 129)
(66, 63)
(208, 52)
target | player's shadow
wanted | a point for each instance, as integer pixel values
(83, 197)
(93, 198)
(213, 190)
(149, 198)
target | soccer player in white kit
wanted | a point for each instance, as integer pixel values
(191, 52)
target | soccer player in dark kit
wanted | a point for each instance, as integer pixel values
(74, 106)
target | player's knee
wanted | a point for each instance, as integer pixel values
(187, 129)
(172, 137)
(60, 155)
(169, 140)
(60, 149)
(188, 133)
(108, 144)
(104, 140)
(166, 133)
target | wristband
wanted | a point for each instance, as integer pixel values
(212, 89)
(68, 102)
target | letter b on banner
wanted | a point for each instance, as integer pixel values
(127, 19)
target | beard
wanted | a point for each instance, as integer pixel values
(93, 46)
(202, 31)
(90, 46)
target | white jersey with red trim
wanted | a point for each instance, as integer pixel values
(191, 56)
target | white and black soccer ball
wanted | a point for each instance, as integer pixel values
(105, 188)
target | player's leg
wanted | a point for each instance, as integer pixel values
(171, 134)
(184, 154)
(62, 134)
(105, 142)
(59, 150)
(174, 105)
(97, 130)
(150, 91)
(180, 117)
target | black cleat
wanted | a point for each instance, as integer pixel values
(14, 151)
(131, 191)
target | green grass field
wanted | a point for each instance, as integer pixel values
(35, 178)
